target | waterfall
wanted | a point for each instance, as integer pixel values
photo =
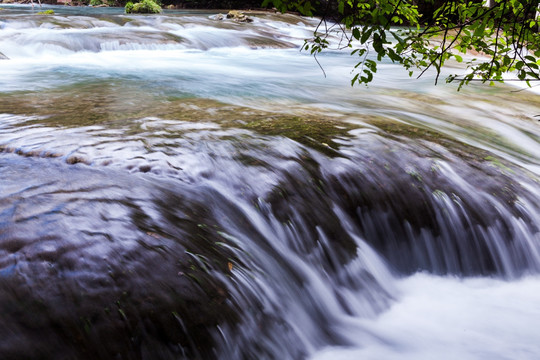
(174, 186)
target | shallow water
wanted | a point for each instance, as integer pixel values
(174, 186)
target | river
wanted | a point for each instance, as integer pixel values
(175, 186)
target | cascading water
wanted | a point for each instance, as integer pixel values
(175, 186)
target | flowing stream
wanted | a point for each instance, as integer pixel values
(176, 186)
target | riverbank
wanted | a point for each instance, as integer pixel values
(169, 4)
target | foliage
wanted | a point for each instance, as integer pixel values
(46, 12)
(96, 2)
(497, 40)
(129, 7)
(143, 7)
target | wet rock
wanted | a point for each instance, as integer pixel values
(71, 287)
(238, 16)
(72, 160)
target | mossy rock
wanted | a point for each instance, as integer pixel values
(143, 7)
(46, 12)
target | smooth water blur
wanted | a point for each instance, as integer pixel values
(174, 186)
(480, 319)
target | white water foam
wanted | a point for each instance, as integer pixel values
(448, 318)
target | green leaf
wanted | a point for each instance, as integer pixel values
(356, 33)
(354, 79)
(341, 7)
(366, 34)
